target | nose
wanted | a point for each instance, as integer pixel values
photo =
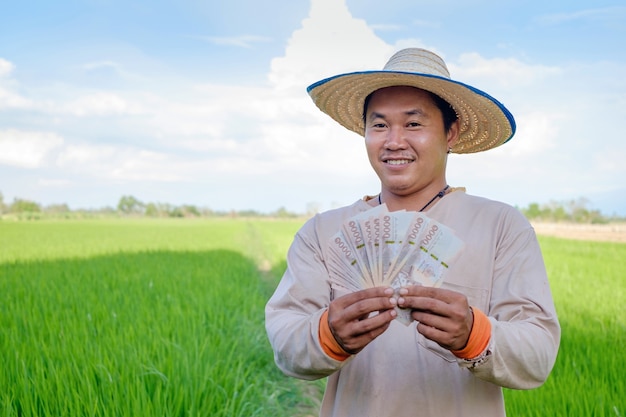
(395, 139)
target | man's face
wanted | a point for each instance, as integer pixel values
(406, 141)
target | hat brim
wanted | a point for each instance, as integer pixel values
(484, 122)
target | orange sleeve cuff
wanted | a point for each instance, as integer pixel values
(479, 337)
(328, 342)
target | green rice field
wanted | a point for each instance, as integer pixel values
(129, 317)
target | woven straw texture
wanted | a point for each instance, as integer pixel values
(484, 122)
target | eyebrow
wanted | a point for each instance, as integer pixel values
(416, 112)
(412, 112)
(375, 115)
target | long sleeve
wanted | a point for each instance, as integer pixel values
(503, 273)
(525, 329)
(293, 312)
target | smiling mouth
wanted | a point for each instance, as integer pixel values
(397, 161)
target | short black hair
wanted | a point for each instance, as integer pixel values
(447, 111)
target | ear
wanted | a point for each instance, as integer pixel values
(453, 134)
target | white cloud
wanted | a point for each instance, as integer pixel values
(205, 117)
(537, 133)
(91, 66)
(110, 70)
(603, 13)
(101, 103)
(422, 23)
(611, 163)
(120, 163)
(6, 67)
(385, 27)
(98, 103)
(8, 98)
(329, 42)
(27, 149)
(52, 182)
(504, 72)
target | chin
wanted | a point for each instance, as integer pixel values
(400, 191)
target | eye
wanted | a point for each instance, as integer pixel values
(413, 124)
(377, 126)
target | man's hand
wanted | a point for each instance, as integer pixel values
(349, 317)
(443, 316)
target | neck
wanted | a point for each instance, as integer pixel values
(416, 202)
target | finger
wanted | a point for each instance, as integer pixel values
(451, 332)
(428, 319)
(433, 333)
(359, 306)
(359, 342)
(442, 294)
(365, 326)
(348, 321)
(443, 323)
(360, 333)
(361, 317)
(349, 299)
(364, 308)
(448, 340)
(432, 305)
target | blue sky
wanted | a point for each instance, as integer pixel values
(204, 102)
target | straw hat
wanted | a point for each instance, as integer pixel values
(484, 122)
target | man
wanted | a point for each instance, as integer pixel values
(491, 324)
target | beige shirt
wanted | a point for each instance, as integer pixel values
(402, 373)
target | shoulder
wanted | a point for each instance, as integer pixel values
(476, 217)
(480, 206)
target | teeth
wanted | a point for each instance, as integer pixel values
(398, 161)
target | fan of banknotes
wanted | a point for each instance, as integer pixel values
(379, 247)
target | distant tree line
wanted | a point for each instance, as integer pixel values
(128, 206)
(573, 211)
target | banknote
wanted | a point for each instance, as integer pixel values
(379, 247)
(369, 223)
(343, 266)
